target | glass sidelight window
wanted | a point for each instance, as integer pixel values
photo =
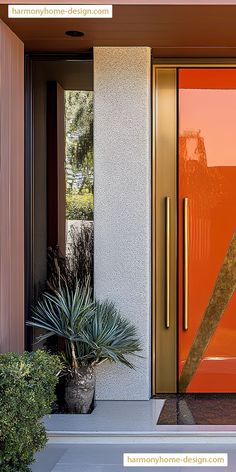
(79, 180)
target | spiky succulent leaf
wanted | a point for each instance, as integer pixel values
(63, 313)
(108, 336)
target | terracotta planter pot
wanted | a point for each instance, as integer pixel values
(80, 389)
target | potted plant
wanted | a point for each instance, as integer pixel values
(94, 332)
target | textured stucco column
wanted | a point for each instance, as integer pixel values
(122, 159)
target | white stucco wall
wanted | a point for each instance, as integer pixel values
(122, 160)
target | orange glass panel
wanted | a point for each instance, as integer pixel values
(207, 176)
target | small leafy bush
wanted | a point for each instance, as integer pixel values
(79, 206)
(27, 386)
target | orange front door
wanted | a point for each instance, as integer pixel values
(207, 226)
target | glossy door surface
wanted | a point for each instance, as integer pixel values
(207, 225)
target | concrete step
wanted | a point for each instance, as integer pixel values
(160, 437)
(130, 422)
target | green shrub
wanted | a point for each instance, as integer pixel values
(79, 206)
(27, 385)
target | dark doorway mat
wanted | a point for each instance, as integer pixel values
(199, 409)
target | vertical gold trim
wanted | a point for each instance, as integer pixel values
(167, 308)
(164, 347)
(186, 236)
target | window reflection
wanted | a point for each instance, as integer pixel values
(79, 176)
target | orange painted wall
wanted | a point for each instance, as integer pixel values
(11, 191)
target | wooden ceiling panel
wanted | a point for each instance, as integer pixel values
(133, 2)
(167, 29)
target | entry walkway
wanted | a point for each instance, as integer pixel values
(135, 421)
(96, 442)
(109, 420)
(109, 458)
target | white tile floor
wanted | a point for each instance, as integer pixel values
(108, 458)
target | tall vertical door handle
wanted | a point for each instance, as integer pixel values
(186, 266)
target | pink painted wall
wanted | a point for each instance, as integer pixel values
(11, 191)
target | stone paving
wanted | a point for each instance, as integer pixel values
(109, 458)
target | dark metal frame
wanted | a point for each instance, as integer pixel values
(29, 172)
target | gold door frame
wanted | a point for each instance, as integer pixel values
(164, 230)
(164, 219)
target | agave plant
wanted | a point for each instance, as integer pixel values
(108, 336)
(64, 313)
(94, 332)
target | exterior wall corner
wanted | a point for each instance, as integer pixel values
(122, 162)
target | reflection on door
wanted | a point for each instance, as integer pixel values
(207, 225)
